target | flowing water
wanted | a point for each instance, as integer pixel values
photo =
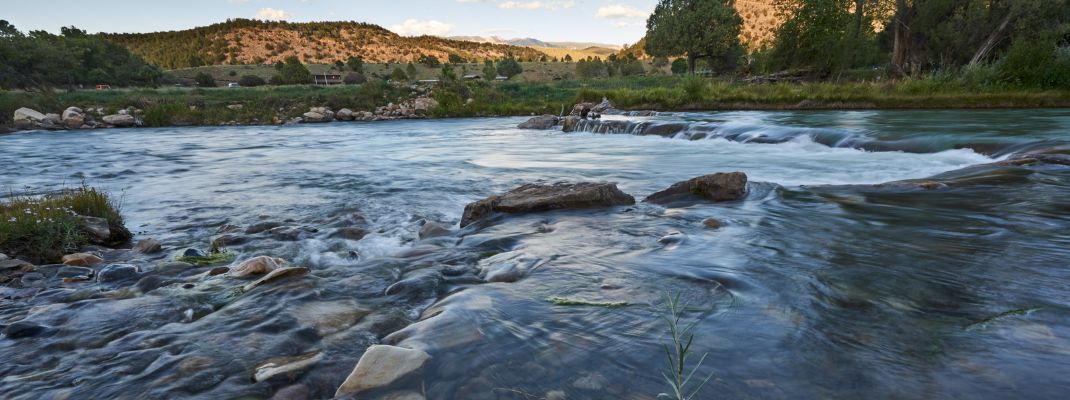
(819, 284)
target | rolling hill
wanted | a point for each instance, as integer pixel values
(243, 41)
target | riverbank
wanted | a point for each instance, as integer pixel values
(276, 105)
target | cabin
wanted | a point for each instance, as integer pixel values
(500, 78)
(327, 79)
(103, 87)
(472, 77)
(428, 82)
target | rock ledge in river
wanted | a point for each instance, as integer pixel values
(381, 365)
(715, 187)
(538, 197)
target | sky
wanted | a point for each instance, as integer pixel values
(603, 21)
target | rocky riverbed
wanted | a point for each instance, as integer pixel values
(471, 259)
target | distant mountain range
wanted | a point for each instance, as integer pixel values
(531, 42)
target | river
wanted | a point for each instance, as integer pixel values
(818, 285)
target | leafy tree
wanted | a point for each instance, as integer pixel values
(279, 65)
(204, 80)
(456, 59)
(489, 72)
(631, 67)
(695, 28)
(339, 65)
(568, 58)
(410, 70)
(679, 66)
(429, 61)
(447, 73)
(509, 68)
(251, 81)
(591, 68)
(398, 75)
(293, 73)
(356, 64)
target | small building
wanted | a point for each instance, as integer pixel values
(103, 87)
(472, 77)
(327, 79)
(430, 82)
(500, 78)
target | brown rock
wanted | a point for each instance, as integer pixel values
(81, 259)
(148, 246)
(381, 365)
(350, 233)
(540, 122)
(257, 266)
(715, 187)
(569, 123)
(538, 197)
(276, 275)
(712, 223)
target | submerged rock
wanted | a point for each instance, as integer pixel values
(118, 273)
(715, 187)
(74, 272)
(23, 329)
(540, 122)
(538, 197)
(97, 229)
(81, 259)
(293, 392)
(381, 365)
(712, 223)
(148, 246)
(276, 275)
(432, 229)
(569, 123)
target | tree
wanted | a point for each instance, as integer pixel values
(204, 80)
(489, 72)
(339, 65)
(293, 73)
(279, 65)
(695, 28)
(251, 81)
(429, 61)
(398, 75)
(447, 73)
(456, 59)
(679, 66)
(356, 64)
(509, 68)
(410, 70)
(568, 58)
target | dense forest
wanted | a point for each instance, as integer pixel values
(244, 41)
(984, 42)
(39, 59)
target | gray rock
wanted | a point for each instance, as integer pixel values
(344, 114)
(120, 120)
(349, 233)
(293, 392)
(540, 122)
(433, 229)
(192, 253)
(68, 271)
(26, 118)
(285, 365)
(118, 273)
(715, 187)
(262, 226)
(275, 275)
(153, 282)
(23, 329)
(290, 233)
(34, 279)
(171, 268)
(148, 246)
(569, 123)
(423, 286)
(538, 197)
(227, 240)
(4, 257)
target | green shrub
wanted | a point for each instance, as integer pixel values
(204, 80)
(354, 78)
(251, 81)
(43, 229)
(398, 75)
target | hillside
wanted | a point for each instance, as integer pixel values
(244, 41)
(760, 22)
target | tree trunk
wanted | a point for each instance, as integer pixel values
(691, 58)
(901, 32)
(860, 7)
(990, 43)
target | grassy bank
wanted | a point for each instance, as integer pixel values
(177, 106)
(44, 229)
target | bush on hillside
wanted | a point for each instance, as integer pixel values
(354, 78)
(251, 81)
(204, 80)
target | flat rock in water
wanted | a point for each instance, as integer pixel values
(538, 197)
(148, 246)
(432, 230)
(257, 266)
(541, 122)
(714, 187)
(118, 273)
(381, 365)
(81, 259)
(286, 365)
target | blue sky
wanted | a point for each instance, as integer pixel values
(605, 21)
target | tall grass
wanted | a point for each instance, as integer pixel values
(43, 229)
(680, 376)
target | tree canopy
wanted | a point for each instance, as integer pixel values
(699, 29)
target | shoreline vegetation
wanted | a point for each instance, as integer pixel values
(167, 107)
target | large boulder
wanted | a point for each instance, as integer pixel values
(422, 104)
(540, 122)
(569, 123)
(602, 107)
(73, 118)
(26, 118)
(318, 115)
(344, 114)
(538, 197)
(97, 229)
(714, 187)
(582, 110)
(381, 365)
(120, 120)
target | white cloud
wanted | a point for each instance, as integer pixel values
(272, 14)
(412, 27)
(621, 11)
(551, 5)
